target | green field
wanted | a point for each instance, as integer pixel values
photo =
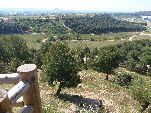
(108, 36)
(91, 44)
(33, 40)
(140, 37)
(91, 41)
(86, 40)
(148, 31)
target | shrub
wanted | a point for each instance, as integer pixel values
(141, 92)
(123, 79)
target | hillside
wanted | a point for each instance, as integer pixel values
(99, 24)
(144, 13)
(115, 99)
(31, 25)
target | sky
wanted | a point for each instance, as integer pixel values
(99, 5)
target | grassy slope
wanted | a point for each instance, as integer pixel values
(115, 98)
(92, 44)
(140, 37)
(34, 40)
(109, 36)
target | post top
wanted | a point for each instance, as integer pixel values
(3, 94)
(26, 68)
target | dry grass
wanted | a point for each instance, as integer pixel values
(116, 99)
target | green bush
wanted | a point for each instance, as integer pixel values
(141, 91)
(123, 79)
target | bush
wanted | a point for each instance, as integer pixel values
(123, 79)
(141, 92)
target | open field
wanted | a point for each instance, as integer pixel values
(148, 31)
(87, 40)
(140, 37)
(34, 40)
(92, 44)
(108, 36)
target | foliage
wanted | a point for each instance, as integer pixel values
(99, 24)
(27, 25)
(12, 28)
(61, 66)
(137, 55)
(123, 79)
(36, 57)
(45, 47)
(13, 52)
(108, 59)
(141, 92)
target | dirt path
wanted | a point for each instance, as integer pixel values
(142, 33)
(66, 27)
(131, 38)
(44, 40)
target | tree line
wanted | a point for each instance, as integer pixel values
(135, 55)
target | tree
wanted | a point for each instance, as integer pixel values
(36, 57)
(13, 52)
(61, 66)
(106, 62)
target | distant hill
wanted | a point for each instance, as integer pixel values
(99, 24)
(29, 25)
(144, 13)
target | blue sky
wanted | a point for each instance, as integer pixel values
(100, 5)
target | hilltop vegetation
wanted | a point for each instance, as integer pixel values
(99, 24)
(29, 25)
(144, 13)
(12, 28)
